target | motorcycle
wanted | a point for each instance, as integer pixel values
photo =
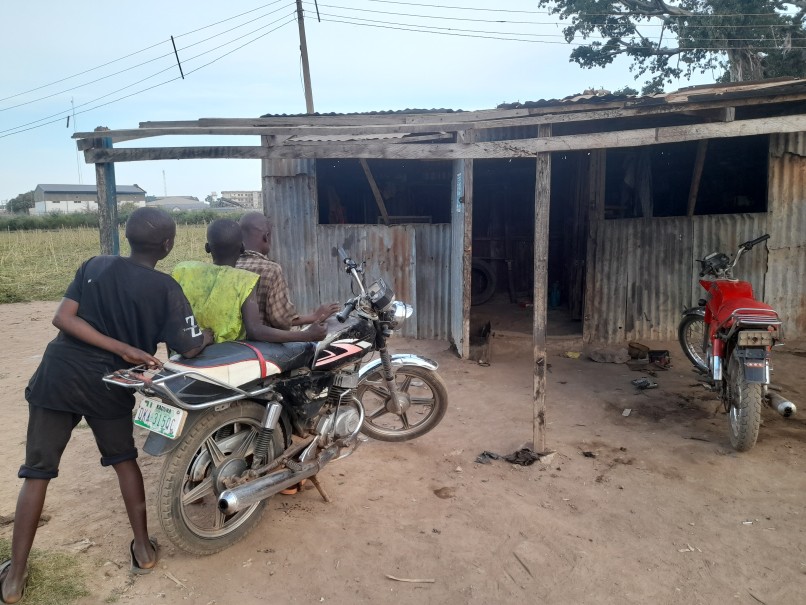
(225, 420)
(729, 337)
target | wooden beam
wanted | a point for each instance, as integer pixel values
(375, 191)
(699, 161)
(597, 172)
(455, 151)
(316, 125)
(539, 316)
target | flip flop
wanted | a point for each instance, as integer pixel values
(4, 568)
(135, 566)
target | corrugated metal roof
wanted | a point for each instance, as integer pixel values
(87, 189)
(704, 92)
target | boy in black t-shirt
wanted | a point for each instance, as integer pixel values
(113, 315)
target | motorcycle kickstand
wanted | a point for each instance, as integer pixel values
(318, 485)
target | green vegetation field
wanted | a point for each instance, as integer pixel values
(39, 265)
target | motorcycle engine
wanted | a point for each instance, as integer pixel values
(346, 422)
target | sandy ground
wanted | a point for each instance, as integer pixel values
(665, 512)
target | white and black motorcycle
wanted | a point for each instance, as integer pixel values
(225, 420)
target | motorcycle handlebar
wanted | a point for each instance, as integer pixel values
(349, 307)
(749, 245)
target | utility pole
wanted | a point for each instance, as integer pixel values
(303, 47)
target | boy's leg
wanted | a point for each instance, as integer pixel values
(26, 519)
(116, 444)
(130, 480)
(48, 434)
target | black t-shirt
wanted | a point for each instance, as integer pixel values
(128, 302)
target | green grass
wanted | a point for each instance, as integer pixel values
(39, 265)
(53, 578)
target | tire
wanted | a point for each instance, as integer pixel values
(691, 334)
(191, 482)
(744, 412)
(428, 403)
(482, 282)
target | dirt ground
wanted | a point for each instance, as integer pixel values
(665, 512)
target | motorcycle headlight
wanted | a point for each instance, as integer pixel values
(401, 311)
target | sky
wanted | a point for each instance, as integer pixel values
(113, 64)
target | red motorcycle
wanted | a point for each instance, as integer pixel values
(730, 336)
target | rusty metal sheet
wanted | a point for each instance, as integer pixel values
(389, 253)
(784, 286)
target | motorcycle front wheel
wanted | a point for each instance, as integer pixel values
(218, 446)
(691, 334)
(422, 389)
(744, 413)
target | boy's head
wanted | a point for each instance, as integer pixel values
(224, 241)
(256, 231)
(151, 231)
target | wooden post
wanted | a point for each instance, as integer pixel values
(306, 70)
(541, 252)
(702, 148)
(375, 191)
(596, 183)
(107, 200)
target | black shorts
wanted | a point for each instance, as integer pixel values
(50, 430)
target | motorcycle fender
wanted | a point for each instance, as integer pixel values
(755, 363)
(399, 359)
(694, 311)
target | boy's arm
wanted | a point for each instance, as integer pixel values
(257, 330)
(68, 321)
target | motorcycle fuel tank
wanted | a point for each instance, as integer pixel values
(346, 344)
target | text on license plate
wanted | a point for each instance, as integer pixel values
(161, 418)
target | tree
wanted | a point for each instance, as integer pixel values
(22, 203)
(741, 40)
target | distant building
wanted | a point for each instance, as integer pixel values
(80, 198)
(245, 199)
(178, 203)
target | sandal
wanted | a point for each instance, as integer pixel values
(294, 489)
(4, 569)
(135, 566)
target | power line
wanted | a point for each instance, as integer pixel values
(509, 36)
(517, 22)
(614, 14)
(33, 125)
(169, 54)
(142, 50)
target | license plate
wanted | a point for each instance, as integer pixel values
(161, 418)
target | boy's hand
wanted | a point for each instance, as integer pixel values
(325, 311)
(316, 331)
(137, 356)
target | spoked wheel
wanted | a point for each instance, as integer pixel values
(217, 447)
(421, 394)
(744, 413)
(692, 337)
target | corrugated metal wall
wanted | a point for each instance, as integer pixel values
(413, 259)
(289, 199)
(646, 274)
(785, 286)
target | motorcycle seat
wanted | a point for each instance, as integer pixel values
(748, 309)
(240, 362)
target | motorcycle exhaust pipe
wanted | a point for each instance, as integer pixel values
(243, 496)
(781, 405)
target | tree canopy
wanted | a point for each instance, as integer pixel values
(738, 40)
(21, 203)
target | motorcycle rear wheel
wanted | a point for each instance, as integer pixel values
(691, 334)
(744, 414)
(429, 401)
(217, 446)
